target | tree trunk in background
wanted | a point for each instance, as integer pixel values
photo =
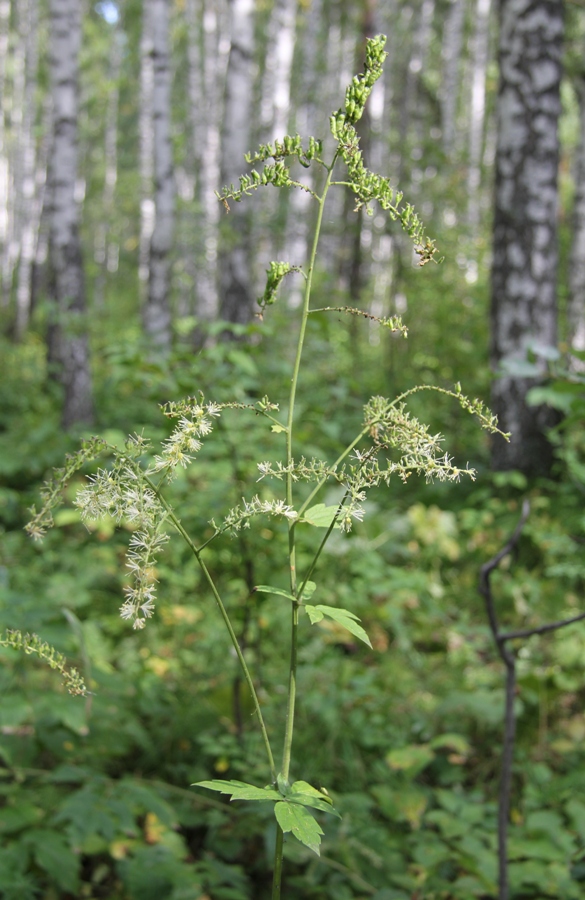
(68, 337)
(206, 86)
(4, 165)
(157, 310)
(523, 310)
(352, 268)
(576, 307)
(411, 107)
(106, 250)
(146, 151)
(451, 80)
(31, 187)
(480, 48)
(310, 40)
(236, 301)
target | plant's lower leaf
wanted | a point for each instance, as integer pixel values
(239, 790)
(306, 795)
(295, 818)
(342, 616)
(267, 589)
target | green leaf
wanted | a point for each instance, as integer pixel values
(306, 795)
(239, 790)
(320, 516)
(295, 818)
(308, 590)
(53, 854)
(412, 759)
(314, 613)
(267, 589)
(451, 741)
(342, 616)
(279, 429)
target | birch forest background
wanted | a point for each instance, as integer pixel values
(125, 283)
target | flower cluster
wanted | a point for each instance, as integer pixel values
(123, 493)
(141, 558)
(239, 517)
(195, 422)
(308, 470)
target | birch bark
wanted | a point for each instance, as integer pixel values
(206, 88)
(236, 301)
(106, 251)
(68, 338)
(480, 50)
(157, 310)
(30, 185)
(523, 305)
(4, 165)
(576, 308)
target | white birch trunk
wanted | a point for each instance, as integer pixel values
(146, 131)
(206, 87)
(157, 311)
(297, 226)
(4, 164)
(576, 306)
(236, 302)
(106, 251)
(524, 311)
(480, 50)
(70, 345)
(30, 187)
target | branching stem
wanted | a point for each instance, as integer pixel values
(206, 574)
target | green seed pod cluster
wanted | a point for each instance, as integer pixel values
(277, 175)
(275, 273)
(361, 85)
(287, 146)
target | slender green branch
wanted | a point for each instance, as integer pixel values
(321, 546)
(206, 574)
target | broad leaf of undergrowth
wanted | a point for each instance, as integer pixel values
(295, 818)
(342, 616)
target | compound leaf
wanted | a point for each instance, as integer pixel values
(296, 818)
(306, 795)
(342, 616)
(239, 790)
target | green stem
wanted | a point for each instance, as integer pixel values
(197, 553)
(292, 681)
(277, 876)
